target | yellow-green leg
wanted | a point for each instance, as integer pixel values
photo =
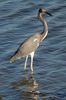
(25, 63)
(32, 55)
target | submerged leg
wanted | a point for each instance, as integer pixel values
(25, 63)
(32, 55)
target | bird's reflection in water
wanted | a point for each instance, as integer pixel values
(27, 87)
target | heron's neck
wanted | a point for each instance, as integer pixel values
(45, 29)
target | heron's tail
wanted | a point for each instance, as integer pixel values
(13, 58)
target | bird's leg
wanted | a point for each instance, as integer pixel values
(25, 63)
(32, 55)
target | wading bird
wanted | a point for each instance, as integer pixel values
(29, 46)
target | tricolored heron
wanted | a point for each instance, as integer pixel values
(29, 46)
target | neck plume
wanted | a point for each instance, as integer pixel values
(45, 29)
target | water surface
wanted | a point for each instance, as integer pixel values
(18, 20)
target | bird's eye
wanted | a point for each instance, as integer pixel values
(40, 10)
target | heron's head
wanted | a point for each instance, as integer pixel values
(41, 10)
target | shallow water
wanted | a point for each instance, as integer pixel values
(18, 20)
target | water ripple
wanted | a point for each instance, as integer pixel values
(18, 20)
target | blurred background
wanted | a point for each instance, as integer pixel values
(18, 20)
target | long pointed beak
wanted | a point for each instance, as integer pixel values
(48, 13)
